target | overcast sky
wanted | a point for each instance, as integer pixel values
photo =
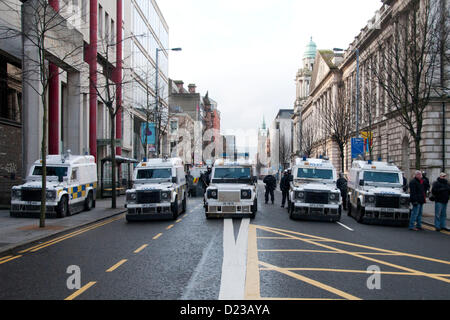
(246, 53)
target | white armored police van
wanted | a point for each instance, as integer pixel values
(313, 194)
(71, 187)
(376, 194)
(159, 190)
(232, 190)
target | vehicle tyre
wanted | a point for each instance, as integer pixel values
(184, 204)
(174, 208)
(359, 213)
(63, 207)
(254, 207)
(349, 207)
(89, 202)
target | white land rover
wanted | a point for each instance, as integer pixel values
(159, 190)
(313, 194)
(71, 187)
(232, 190)
(376, 194)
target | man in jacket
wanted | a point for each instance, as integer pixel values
(285, 184)
(426, 182)
(341, 184)
(417, 198)
(440, 192)
(271, 184)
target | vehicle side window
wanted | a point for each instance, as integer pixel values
(74, 175)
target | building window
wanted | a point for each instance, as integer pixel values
(173, 126)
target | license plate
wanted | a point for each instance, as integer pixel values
(150, 205)
(315, 205)
(228, 204)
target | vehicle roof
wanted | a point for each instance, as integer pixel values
(67, 160)
(161, 162)
(313, 162)
(375, 165)
(230, 163)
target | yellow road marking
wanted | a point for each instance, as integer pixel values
(80, 291)
(157, 236)
(327, 251)
(370, 259)
(252, 285)
(433, 229)
(140, 248)
(5, 257)
(67, 236)
(311, 281)
(169, 227)
(9, 259)
(118, 264)
(179, 220)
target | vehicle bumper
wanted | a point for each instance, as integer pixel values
(149, 211)
(372, 214)
(228, 210)
(325, 212)
(32, 209)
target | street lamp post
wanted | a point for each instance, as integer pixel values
(157, 95)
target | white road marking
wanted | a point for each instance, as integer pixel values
(234, 266)
(345, 226)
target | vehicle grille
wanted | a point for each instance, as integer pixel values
(229, 196)
(387, 201)
(316, 197)
(31, 194)
(149, 197)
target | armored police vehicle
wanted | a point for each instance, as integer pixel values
(71, 187)
(376, 194)
(159, 190)
(232, 191)
(313, 194)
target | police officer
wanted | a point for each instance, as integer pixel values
(205, 178)
(341, 184)
(284, 186)
(271, 184)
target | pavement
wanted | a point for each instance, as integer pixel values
(17, 232)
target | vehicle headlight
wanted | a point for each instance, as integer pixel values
(246, 194)
(16, 194)
(212, 194)
(166, 195)
(131, 196)
(404, 201)
(370, 199)
(299, 195)
(334, 196)
(51, 194)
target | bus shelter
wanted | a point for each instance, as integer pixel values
(124, 171)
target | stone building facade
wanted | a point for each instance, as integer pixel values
(377, 117)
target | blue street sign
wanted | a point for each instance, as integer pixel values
(149, 132)
(357, 147)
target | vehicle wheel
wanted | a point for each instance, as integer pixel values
(184, 205)
(349, 208)
(207, 215)
(175, 209)
(89, 202)
(359, 214)
(339, 215)
(254, 207)
(63, 207)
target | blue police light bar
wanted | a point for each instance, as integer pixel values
(369, 161)
(304, 158)
(321, 157)
(379, 159)
(145, 159)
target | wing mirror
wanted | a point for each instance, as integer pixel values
(361, 182)
(174, 179)
(60, 179)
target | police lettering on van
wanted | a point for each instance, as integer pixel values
(71, 187)
(159, 190)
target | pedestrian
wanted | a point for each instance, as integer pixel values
(190, 183)
(417, 198)
(205, 178)
(341, 184)
(426, 183)
(271, 184)
(285, 185)
(440, 193)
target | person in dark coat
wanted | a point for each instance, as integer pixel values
(417, 197)
(285, 185)
(271, 184)
(341, 184)
(405, 184)
(205, 178)
(440, 192)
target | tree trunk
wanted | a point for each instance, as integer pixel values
(44, 162)
(418, 153)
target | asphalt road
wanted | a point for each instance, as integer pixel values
(269, 257)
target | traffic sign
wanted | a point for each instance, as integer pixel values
(357, 147)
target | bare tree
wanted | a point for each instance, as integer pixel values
(45, 33)
(284, 151)
(369, 103)
(307, 139)
(337, 118)
(409, 67)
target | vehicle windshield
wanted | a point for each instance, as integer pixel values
(146, 174)
(314, 173)
(231, 174)
(381, 177)
(51, 171)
